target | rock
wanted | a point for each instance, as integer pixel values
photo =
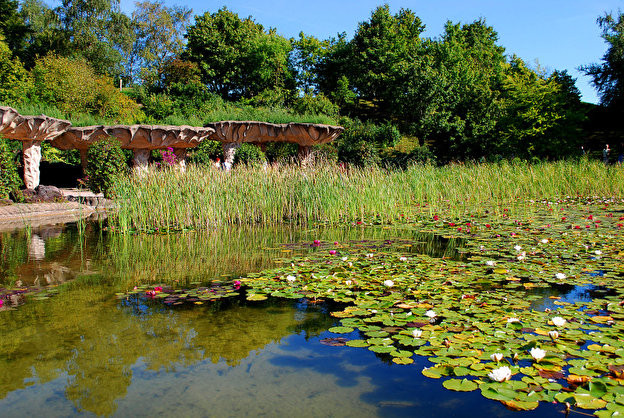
(50, 194)
(43, 194)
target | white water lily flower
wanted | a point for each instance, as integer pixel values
(560, 276)
(291, 278)
(402, 258)
(348, 282)
(496, 357)
(502, 374)
(490, 263)
(370, 255)
(553, 334)
(522, 256)
(544, 241)
(511, 320)
(431, 314)
(537, 353)
(558, 321)
(344, 258)
(517, 248)
(417, 333)
(388, 283)
(598, 252)
(350, 264)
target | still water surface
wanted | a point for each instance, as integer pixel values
(75, 349)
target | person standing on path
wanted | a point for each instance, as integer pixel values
(605, 154)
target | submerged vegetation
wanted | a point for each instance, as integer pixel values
(206, 198)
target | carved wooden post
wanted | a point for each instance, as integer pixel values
(83, 161)
(180, 154)
(306, 157)
(140, 161)
(229, 149)
(31, 151)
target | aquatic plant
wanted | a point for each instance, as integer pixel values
(205, 198)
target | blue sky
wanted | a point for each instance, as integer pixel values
(557, 34)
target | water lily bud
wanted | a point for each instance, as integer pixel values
(515, 357)
(553, 335)
(502, 374)
(496, 357)
(537, 353)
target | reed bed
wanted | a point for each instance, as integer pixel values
(203, 197)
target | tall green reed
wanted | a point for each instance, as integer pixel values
(204, 197)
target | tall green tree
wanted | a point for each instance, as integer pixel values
(237, 57)
(98, 31)
(12, 25)
(541, 114)
(159, 37)
(608, 76)
(458, 91)
(307, 54)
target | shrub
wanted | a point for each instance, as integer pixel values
(106, 161)
(206, 152)
(10, 181)
(249, 154)
(418, 155)
(72, 85)
(15, 81)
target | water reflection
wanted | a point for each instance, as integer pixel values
(83, 351)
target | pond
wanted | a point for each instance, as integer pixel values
(81, 335)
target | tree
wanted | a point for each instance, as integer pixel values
(608, 77)
(455, 91)
(159, 37)
(237, 57)
(12, 25)
(541, 114)
(305, 58)
(98, 31)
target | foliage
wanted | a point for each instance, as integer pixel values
(10, 181)
(315, 104)
(204, 198)
(15, 81)
(306, 56)
(206, 153)
(97, 31)
(12, 26)
(457, 96)
(608, 76)
(158, 37)
(249, 154)
(539, 114)
(106, 162)
(73, 86)
(237, 57)
(361, 143)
